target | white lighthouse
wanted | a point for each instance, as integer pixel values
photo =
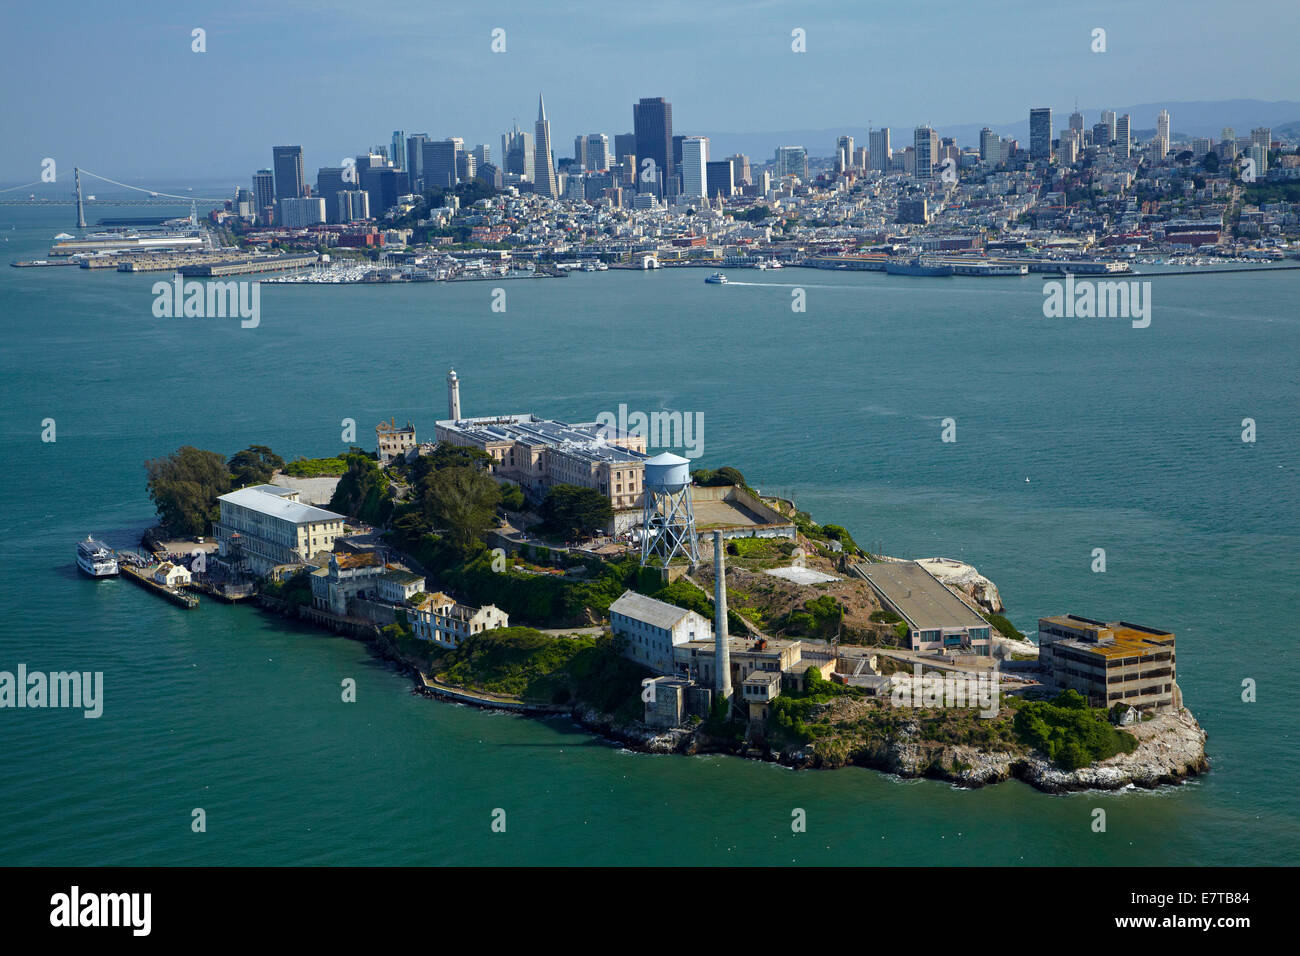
(453, 396)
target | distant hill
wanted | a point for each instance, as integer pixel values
(1200, 118)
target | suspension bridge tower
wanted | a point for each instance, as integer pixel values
(81, 206)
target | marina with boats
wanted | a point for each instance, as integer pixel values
(169, 575)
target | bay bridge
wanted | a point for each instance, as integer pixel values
(76, 197)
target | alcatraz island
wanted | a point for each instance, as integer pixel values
(531, 565)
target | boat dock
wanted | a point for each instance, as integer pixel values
(141, 576)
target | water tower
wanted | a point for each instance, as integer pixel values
(668, 522)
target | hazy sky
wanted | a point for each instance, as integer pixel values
(115, 87)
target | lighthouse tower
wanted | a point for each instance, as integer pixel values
(453, 396)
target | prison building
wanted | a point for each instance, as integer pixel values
(393, 442)
(654, 630)
(937, 620)
(1111, 663)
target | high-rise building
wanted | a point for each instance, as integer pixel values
(290, 182)
(544, 181)
(860, 158)
(1164, 126)
(1229, 136)
(719, 179)
(740, 174)
(299, 211)
(482, 154)
(517, 153)
(398, 153)
(1123, 136)
(415, 159)
(580, 150)
(652, 119)
(440, 161)
(878, 141)
(1040, 134)
(263, 191)
(695, 158)
(989, 152)
(1108, 117)
(352, 205)
(1071, 140)
(791, 161)
(925, 142)
(330, 181)
(843, 153)
(624, 145)
(1076, 122)
(1262, 136)
(598, 157)
(381, 184)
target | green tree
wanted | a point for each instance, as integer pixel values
(254, 465)
(184, 488)
(463, 500)
(572, 510)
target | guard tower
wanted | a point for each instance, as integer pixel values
(668, 522)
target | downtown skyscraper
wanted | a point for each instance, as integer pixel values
(652, 120)
(544, 180)
(290, 182)
(1040, 134)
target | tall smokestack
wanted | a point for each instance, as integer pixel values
(453, 396)
(721, 651)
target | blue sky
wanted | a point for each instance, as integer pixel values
(115, 87)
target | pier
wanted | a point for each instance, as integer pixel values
(141, 577)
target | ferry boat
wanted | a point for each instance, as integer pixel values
(917, 267)
(96, 558)
(717, 278)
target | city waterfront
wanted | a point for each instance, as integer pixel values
(1130, 439)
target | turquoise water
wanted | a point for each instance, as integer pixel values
(1130, 439)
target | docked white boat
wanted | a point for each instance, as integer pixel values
(96, 558)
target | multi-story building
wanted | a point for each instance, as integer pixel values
(937, 619)
(545, 182)
(652, 119)
(1123, 137)
(695, 158)
(791, 161)
(878, 141)
(397, 586)
(330, 181)
(989, 151)
(719, 179)
(925, 143)
(597, 157)
(440, 163)
(538, 454)
(444, 622)
(740, 174)
(415, 160)
(1040, 134)
(343, 577)
(304, 211)
(393, 442)
(653, 629)
(353, 205)
(263, 193)
(290, 183)
(1262, 137)
(263, 527)
(1111, 663)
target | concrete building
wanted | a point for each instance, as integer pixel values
(299, 213)
(925, 143)
(879, 150)
(393, 442)
(537, 453)
(695, 659)
(397, 586)
(444, 622)
(266, 526)
(344, 577)
(545, 182)
(791, 161)
(290, 182)
(937, 620)
(654, 629)
(695, 158)
(1111, 663)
